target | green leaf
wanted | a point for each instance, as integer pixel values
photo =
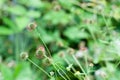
(5, 31)
(33, 14)
(6, 72)
(21, 22)
(23, 72)
(58, 17)
(9, 22)
(17, 10)
(74, 33)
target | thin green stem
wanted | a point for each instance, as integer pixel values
(79, 65)
(63, 71)
(48, 51)
(86, 62)
(55, 66)
(36, 30)
(105, 22)
(38, 67)
(85, 8)
(16, 47)
(69, 64)
(92, 34)
(61, 75)
(117, 64)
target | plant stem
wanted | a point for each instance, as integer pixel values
(79, 65)
(36, 30)
(61, 75)
(69, 64)
(63, 71)
(38, 67)
(117, 64)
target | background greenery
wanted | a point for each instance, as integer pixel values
(62, 24)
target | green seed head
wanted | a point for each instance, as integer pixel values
(24, 55)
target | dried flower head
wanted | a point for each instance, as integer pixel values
(31, 26)
(40, 52)
(60, 44)
(41, 48)
(61, 54)
(47, 61)
(24, 55)
(71, 51)
(56, 5)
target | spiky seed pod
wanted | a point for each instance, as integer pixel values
(47, 61)
(40, 52)
(24, 55)
(32, 26)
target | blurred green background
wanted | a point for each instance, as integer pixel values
(62, 24)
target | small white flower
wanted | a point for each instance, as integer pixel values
(79, 54)
(91, 64)
(77, 73)
(11, 64)
(101, 73)
(69, 67)
(51, 73)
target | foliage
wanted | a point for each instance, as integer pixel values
(61, 24)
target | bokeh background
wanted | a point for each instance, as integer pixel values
(62, 24)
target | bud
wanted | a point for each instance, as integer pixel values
(69, 67)
(77, 73)
(31, 26)
(91, 64)
(24, 55)
(51, 73)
